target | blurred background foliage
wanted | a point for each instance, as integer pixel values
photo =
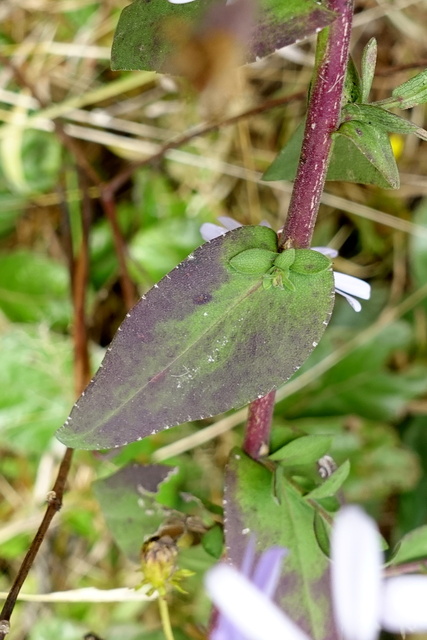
(366, 383)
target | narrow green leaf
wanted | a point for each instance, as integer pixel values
(331, 484)
(178, 354)
(322, 532)
(411, 92)
(378, 117)
(141, 40)
(304, 450)
(369, 61)
(411, 547)
(375, 146)
(352, 91)
(286, 520)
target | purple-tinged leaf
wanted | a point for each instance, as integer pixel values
(206, 339)
(285, 519)
(143, 39)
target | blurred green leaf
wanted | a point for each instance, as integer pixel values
(141, 39)
(213, 541)
(34, 288)
(411, 547)
(332, 484)
(36, 384)
(304, 450)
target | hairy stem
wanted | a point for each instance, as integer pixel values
(323, 118)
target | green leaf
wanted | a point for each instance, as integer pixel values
(180, 351)
(378, 117)
(332, 484)
(309, 262)
(411, 547)
(253, 261)
(410, 93)
(36, 387)
(34, 288)
(352, 91)
(213, 541)
(128, 500)
(322, 532)
(347, 162)
(369, 61)
(418, 247)
(374, 144)
(303, 450)
(286, 520)
(141, 40)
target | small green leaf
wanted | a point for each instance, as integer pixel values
(322, 531)
(254, 262)
(308, 262)
(411, 547)
(411, 92)
(378, 117)
(285, 259)
(303, 450)
(374, 144)
(369, 61)
(331, 484)
(213, 541)
(352, 91)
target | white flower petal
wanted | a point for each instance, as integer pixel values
(229, 223)
(209, 231)
(355, 304)
(180, 1)
(356, 574)
(351, 285)
(404, 604)
(256, 617)
(327, 251)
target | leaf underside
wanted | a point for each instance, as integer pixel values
(141, 40)
(206, 339)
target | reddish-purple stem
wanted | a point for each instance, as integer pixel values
(323, 118)
(257, 434)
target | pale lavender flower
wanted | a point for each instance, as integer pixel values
(347, 286)
(363, 600)
(244, 599)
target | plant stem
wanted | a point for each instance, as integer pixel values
(323, 118)
(164, 615)
(257, 434)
